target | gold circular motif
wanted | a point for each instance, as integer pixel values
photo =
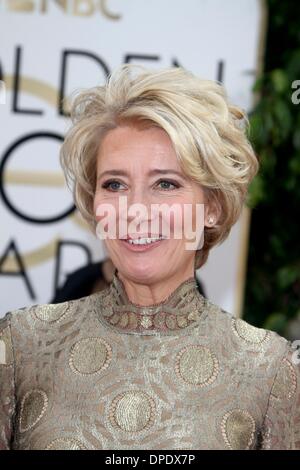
(249, 333)
(90, 356)
(159, 320)
(132, 322)
(285, 383)
(65, 443)
(51, 313)
(238, 429)
(124, 320)
(170, 320)
(132, 411)
(197, 365)
(33, 407)
(182, 321)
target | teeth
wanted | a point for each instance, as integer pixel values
(143, 241)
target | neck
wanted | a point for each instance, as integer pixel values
(154, 292)
(178, 310)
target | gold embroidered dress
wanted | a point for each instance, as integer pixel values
(103, 373)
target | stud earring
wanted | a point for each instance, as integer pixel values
(211, 219)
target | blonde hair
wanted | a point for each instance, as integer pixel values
(208, 133)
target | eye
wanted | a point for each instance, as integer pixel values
(165, 185)
(111, 185)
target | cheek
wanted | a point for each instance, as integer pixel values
(105, 213)
(185, 220)
(101, 201)
(173, 221)
(98, 200)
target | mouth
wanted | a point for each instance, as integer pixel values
(142, 243)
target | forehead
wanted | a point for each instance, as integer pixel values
(143, 146)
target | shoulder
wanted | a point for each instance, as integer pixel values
(244, 339)
(28, 326)
(267, 358)
(37, 315)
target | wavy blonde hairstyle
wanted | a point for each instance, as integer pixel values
(208, 133)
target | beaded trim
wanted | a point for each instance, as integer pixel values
(178, 312)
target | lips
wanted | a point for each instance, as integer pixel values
(141, 247)
(137, 237)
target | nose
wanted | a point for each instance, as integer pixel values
(141, 212)
(139, 195)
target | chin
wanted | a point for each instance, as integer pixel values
(143, 272)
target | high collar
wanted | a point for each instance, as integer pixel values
(178, 312)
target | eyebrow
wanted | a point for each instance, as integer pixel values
(150, 173)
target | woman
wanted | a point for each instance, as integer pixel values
(149, 363)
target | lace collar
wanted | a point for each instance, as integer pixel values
(180, 311)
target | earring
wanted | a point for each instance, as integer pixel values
(211, 219)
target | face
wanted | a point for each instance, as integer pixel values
(140, 163)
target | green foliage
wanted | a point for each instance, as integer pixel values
(272, 294)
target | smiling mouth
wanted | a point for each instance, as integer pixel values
(143, 241)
